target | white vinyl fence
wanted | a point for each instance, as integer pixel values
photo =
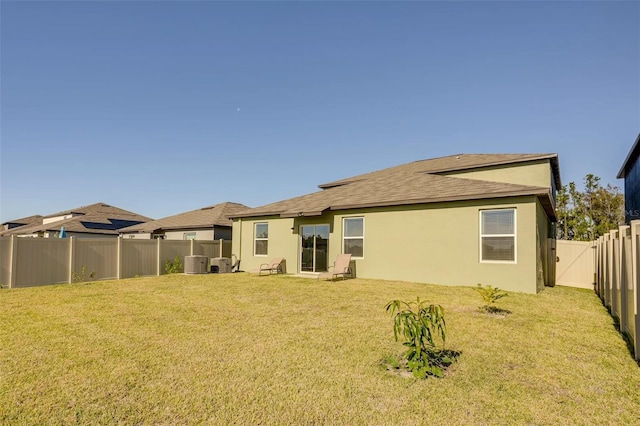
(617, 275)
(26, 262)
(576, 263)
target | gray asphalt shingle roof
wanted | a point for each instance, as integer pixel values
(205, 217)
(98, 218)
(412, 183)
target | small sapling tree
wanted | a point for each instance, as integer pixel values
(423, 328)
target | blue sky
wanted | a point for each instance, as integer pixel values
(165, 107)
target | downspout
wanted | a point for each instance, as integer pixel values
(240, 240)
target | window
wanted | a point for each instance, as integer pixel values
(353, 236)
(189, 236)
(261, 239)
(498, 235)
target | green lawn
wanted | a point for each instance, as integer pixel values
(235, 349)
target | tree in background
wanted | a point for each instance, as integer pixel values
(584, 216)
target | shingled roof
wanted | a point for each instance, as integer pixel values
(453, 163)
(412, 183)
(206, 217)
(98, 218)
(24, 221)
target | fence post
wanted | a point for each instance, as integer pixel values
(192, 247)
(72, 261)
(623, 234)
(13, 261)
(635, 233)
(598, 269)
(119, 259)
(607, 271)
(220, 241)
(158, 258)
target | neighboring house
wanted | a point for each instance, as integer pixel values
(25, 221)
(207, 223)
(458, 220)
(630, 172)
(95, 220)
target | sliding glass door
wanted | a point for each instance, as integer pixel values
(314, 248)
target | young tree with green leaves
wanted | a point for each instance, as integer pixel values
(586, 215)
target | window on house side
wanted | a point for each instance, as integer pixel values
(261, 239)
(498, 235)
(353, 236)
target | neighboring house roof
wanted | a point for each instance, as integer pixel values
(405, 187)
(98, 218)
(631, 158)
(454, 163)
(206, 217)
(25, 221)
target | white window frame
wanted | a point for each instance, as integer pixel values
(188, 236)
(514, 235)
(256, 239)
(344, 219)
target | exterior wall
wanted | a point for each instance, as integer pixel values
(432, 243)
(201, 234)
(222, 233)
(283, 242)
(545, 250)
(137, 236)
(535, 173)
(632, 193)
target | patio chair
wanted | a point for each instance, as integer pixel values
(273, 267)
(341, 267)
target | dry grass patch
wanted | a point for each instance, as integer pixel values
(234, 349)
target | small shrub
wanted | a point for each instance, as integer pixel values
(173, 266)
(82, 276)
(423, 329)
(491, 295)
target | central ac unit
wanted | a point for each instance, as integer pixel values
(220, 265)
(195, 264)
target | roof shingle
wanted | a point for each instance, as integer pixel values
(205, 217)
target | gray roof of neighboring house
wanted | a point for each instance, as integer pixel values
(206, 217)
(631, 158)
(411, 183)
(458, 162)
(98, 218)
(30, 220)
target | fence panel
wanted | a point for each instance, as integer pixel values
(41, 261)
(226, 248)
(169, 249)
(576, 263)
(5, 261)
(206, 248)
(139, 257)
(615, 278)
(97, 255)
(626, 263)
(618, 280)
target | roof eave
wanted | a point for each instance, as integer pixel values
(633, 153)
(255, 214)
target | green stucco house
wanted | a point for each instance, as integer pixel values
(457, 220)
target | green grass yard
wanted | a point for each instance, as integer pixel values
(235, 349)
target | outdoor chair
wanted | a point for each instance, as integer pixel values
(273, 267)
(341, 267)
